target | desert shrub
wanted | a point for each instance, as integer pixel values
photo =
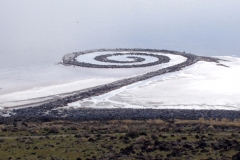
(179, 129)
(4, 129)
(164, 137)
(86, 134)
(143, 133)
(91, 140)
(139, 140)
(111, 136)
(40, 156)
(154, 136)
(184, 138)
(18, 139)
(46, 129)
(53, 130)
(197, 136)
(132, 134)
(33, 131)
(198, 128)
(73, 128)
(165, 129)
(56, 157)
(234, 134)
(211, 128)
(121, 129)
(28, 141)
(78, 135)
(14, 144)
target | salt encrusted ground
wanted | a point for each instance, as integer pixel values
(35, 96)
(203, 85)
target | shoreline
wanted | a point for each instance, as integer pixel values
(52, 110)
(90, 114)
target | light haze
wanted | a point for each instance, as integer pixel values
(34, 35)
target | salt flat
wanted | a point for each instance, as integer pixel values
(43, 94)
(88, 78)
(203, 85)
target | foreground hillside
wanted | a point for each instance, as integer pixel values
(126, 139)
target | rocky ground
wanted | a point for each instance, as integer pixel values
(88, 114)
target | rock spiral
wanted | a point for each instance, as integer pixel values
(130, 59)
(133, 58)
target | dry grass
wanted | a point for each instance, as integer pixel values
(156, 121)
(148, 138)
(223, 122)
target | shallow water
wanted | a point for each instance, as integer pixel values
(34, 35)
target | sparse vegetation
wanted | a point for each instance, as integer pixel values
(126, 139)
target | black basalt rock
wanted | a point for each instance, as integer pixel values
(236, 156)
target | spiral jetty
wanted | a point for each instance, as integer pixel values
(51, 111)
